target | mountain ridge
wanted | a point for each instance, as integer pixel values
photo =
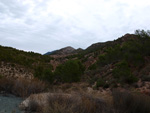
(62, 51)
(100, 60)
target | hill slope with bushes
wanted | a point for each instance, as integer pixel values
(110, 64)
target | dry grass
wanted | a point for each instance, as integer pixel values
(22, 87)
(90, 101)
(59, 104)
(70, 103)
(122, 102)
(70, 87)
(127, 102)
(33, 106)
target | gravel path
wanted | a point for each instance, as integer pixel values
(9, 104)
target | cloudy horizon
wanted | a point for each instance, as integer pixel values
(47, 25)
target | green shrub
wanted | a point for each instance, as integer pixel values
(93, 66)
(26, 59)
(103, 60)
(112, 54)
(1, 76)
(70, 71)
(123, 73)
(100, 83)
(44, 73)
(142, 33)
(133, 53)
(84, 59)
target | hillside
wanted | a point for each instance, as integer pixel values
(17, 63)
(121, 62)
(101, 76)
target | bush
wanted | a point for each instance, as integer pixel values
(133, 53)
(6, 84)
(44, 73)
(33, 106)
(92, 67)
(100, 83)
(127, 102)
(70, 71)
(1, 76)
(102, 60)
(123, 73)
(26, 59)
(112, 54)
(22, 87)
(142, 33)
(60, 103)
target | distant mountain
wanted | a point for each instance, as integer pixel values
(49, 53)
(122, 61)
(78, 50)
(63, 51)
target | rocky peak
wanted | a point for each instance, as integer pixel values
(64, 51)
(127, 37)
(67, 50)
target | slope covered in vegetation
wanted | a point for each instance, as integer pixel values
(123, 61)
(27, 59)
(98, 70)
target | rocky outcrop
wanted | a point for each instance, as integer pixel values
(63, 51)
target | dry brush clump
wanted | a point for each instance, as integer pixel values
(59, 103)
(33, 106)
(6, 84)
(123, 102)
(69, 103)
(22, 87)
(91, 104)
(127, 102)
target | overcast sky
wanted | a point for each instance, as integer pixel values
(46, 25)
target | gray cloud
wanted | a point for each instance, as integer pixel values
(46, 25)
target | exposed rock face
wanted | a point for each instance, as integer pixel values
(127, 37)
(60, 56)
(66, 50)
(13, 70)
(63, 51)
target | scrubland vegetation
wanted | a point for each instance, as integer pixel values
(121, 102)
(22, 87)
(127, 57)
(27, 59)
(127, 102)
(120, 63)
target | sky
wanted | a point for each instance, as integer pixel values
(47, 25)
